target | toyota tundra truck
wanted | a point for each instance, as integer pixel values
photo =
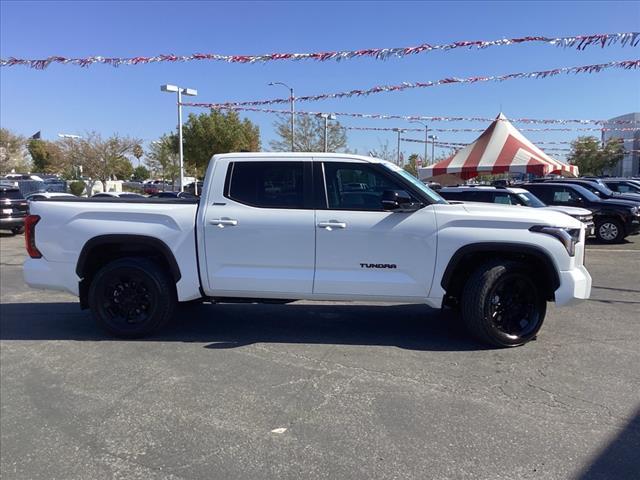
(279, 227)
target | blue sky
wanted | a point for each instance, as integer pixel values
(127, 100)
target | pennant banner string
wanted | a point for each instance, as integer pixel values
(595, 68)
(463, 144)
(378, 116)
(580, 42)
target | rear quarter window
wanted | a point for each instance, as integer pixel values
(266, 184)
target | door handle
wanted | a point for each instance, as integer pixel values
(330, 225)
(223, 222)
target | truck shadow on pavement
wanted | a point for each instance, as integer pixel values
(618, 459)
(413, 327)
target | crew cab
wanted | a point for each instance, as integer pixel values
(278, 227)
(615, 218)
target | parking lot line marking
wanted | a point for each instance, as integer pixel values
(609, 250)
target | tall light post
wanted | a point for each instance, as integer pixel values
(400, 132)
(426, 140)
(190, 92)
(433, 144)
(292, 101)
(327, 117)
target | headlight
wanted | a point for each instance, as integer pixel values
(567, 236)
(635, 210)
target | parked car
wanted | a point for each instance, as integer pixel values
(515, 196)
(622, 185)
(13, 209)
(155, 186)
(432, 185)
(398, 241)
(117, 195)
(184, 194)
(615, 219)
(599, 188)
(190, 188)
(45, 195)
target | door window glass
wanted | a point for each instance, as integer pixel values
(355, 186)
(503, 198)
(564, 195)
(267, 184)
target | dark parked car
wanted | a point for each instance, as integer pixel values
(172, 195)
(191, 188)
(622, 185)
(117, 195)
(615, 218)
(599, 188)
(13, 209)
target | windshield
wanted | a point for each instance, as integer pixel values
(598, 187)
(592, 197)
(530, 200)
(415, 182)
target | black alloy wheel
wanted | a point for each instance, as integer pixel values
(502, 304)
(132, 297)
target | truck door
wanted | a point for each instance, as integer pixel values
(259, 229)
(363, 250)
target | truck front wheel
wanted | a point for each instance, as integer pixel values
(132, 297)
(502, 305)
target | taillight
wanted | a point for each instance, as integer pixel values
(30, 235)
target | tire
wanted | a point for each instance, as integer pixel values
(609, 230)
(17, 230)
(502, 305)
(132, 297)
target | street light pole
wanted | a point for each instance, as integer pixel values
(191, 93)
(327, 117)
(292, 101)
(433, 144)
(400, 131)
(426, 140)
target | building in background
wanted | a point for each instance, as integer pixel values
(630, 165)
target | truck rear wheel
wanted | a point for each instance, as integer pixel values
(502, 305)
(132, 297)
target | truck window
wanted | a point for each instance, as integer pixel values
(503, 198)
(340, 178)
(266, 184)
(564, 195)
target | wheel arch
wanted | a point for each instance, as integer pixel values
(102, 249)
(469, 257)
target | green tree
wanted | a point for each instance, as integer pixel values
(309, 135)
(138, 152)
(12, 154)
(162, 159)
(412, 164)
(46, 157)
(77, 188)
(122, 168)
(588, 154)
(100, 159)
(210, 133)
(141, 173)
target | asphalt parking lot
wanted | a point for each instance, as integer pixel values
(320, 391)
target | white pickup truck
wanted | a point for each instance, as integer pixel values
(278, 227)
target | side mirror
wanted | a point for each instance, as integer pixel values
(397, 200)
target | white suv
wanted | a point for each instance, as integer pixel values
(513, 196)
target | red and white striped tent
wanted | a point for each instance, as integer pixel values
(500, 149)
